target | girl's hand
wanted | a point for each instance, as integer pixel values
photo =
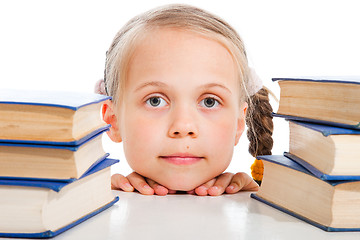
(135, 181)
(228, 183)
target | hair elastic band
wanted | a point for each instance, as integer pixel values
(254, 84)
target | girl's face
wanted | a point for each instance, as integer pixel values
(180, 115)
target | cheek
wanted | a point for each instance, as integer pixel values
(221, 141)
(223, 144)
(140, 139)
(223, 130)
(140, 129)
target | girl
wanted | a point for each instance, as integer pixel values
(181, 93)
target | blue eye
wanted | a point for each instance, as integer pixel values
(156, 102)
(209, 102)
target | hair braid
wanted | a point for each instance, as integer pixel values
(260, 129)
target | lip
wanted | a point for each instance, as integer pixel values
(182, 158)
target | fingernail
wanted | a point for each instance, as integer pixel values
(231, 187)
(215, 188)
(147, 186)
(203, 188)
(214, 191)
(128, 185)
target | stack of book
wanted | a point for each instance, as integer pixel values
(54, 172)
(318, 180)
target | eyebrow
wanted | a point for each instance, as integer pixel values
(161, 84)
(210, 85)
(151, 84)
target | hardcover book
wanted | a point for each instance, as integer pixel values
(49, 161)
(41, 209)
(49, 116)
(289, 187)
(333, 101)
(331, 150)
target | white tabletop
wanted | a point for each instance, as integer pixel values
(236, 216)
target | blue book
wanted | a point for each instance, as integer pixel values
(62, 118)
(72, 143)
(319, 174)
(66, 163)
(43, 209)
(327, 151)
(291, 188)
(326, 100)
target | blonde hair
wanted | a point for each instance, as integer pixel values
(185, 17)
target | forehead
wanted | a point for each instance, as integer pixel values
(170, 50)
(163, 40)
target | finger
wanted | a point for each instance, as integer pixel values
(158, 189)
(220, 185)
(242, 182)
(172, 191)
(139, 183)
(191, 192)
(203, 189)
(118, 181)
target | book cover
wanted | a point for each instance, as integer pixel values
(328, 152)
(50, 234)
(287, 162)
(327, 130)
(51, 180)
(325, 100)
(317, 121)
(325, 228)
(49, 117)
(330, 79)
(70, 100)
(317, 173)
(52, 144)
(56, 185)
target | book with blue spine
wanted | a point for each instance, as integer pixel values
(50, 161)
(326, 100)
(33, 208)
(49, 117)
(291, 188)
(330, 151)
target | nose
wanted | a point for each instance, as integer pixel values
(183, 124)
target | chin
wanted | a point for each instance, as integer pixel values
(181, 185)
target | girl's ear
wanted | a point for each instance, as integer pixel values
(109, 116)
(241, 122)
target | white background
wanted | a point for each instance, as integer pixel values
(61, 45)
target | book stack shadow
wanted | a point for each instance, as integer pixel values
(318, 179)
(54, 172)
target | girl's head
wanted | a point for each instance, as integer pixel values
(178, 77)
(180, 17)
